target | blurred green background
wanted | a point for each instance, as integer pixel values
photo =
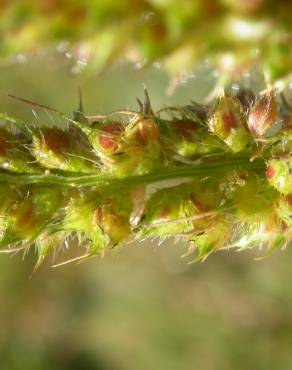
(144, 307)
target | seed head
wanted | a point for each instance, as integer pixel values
(229, 201)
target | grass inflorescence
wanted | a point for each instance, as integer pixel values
(216, 175)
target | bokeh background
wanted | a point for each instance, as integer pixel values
(143, 307)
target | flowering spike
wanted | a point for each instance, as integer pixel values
(97, 181)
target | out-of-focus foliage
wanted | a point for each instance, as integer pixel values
(232, 34)
(147, 309)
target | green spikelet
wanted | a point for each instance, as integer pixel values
(124, 149)
(214, 237)
(103, 219)
(13, 154)
(228, 123)
(279, 174)
(284, 209)
(166, 212)
(253, 200)
(188, 138)
(56, 149)
(27, 211)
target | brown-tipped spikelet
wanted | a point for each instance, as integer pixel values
(65, 150)
(228, 123)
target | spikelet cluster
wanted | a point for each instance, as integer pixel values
(97, 179)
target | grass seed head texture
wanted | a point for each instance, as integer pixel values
(86, 181)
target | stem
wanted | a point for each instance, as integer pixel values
(201, 169)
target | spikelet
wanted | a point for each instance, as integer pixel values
(228, 123)
(56, 149)
(103, 218)
(263, 114)
(13, 154)
(125, 149)
(96, 181)
(279, 174)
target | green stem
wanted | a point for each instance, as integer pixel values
(200, 169)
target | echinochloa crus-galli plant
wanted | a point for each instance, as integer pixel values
(216, 176)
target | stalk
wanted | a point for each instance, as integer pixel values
(216, 176)
(199, 170)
